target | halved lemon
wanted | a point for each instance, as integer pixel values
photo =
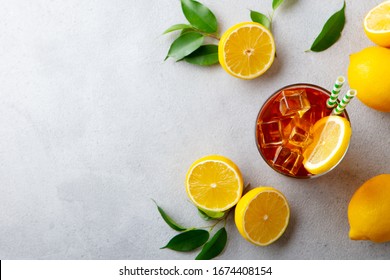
(246, 50)
(331, 140)
(214, 183)
(262, 215)
(377, 24)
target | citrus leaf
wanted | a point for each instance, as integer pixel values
(170, 222)
(188, 240)
(331, 31)
(214, 247)
(187, 30)
(210, 215)
(199, 16)
(204, 216)
(276, 4)
(261, 18)
(184, 45)
(206, 55)
(175, 27)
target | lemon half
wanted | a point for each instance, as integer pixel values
(262, 215)
(246, 50)
(377, 24)
(214, 183)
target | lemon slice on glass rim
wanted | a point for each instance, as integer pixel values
(331, 140)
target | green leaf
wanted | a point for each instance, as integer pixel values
(331, 31)
(206, 55)
(214, 247)
(175, 27)
(203, 215)
(211, 214)
(188, 240)
(276, 4)
(187, 30)
(169, 220)
(184, 45)
(260, 18)
(199, 16)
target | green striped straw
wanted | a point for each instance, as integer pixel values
(344, 102)
(332, 101)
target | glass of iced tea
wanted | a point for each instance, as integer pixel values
(284, 127)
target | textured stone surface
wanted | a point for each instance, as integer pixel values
(94, 124)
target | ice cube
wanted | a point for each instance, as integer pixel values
(287, 126)
(294, 101)
(287, 160)
(270, 133)
(316, 113)
(272, 112)
(301, 133)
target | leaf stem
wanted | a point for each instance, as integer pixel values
(226, 216)
(211, 35)
(213, 226)
(271, 16)
(215, 36)
(188, 229)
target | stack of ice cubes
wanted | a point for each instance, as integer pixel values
(290, 132)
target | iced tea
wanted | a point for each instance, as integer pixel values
(284, 126)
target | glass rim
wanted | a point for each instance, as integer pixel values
(323, 90)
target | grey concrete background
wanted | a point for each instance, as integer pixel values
(93, 124)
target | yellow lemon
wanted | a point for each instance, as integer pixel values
(246, 50)
(369, 73)
(377, 24)
(331, 137)
(369, 210)
(214, 183)
(262, 215)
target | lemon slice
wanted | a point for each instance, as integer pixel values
(246, 50)
(214, 183)
(331, 137)
(377, 24)
(262, 215)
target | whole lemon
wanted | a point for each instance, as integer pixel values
(369, 210)
(369, 74)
